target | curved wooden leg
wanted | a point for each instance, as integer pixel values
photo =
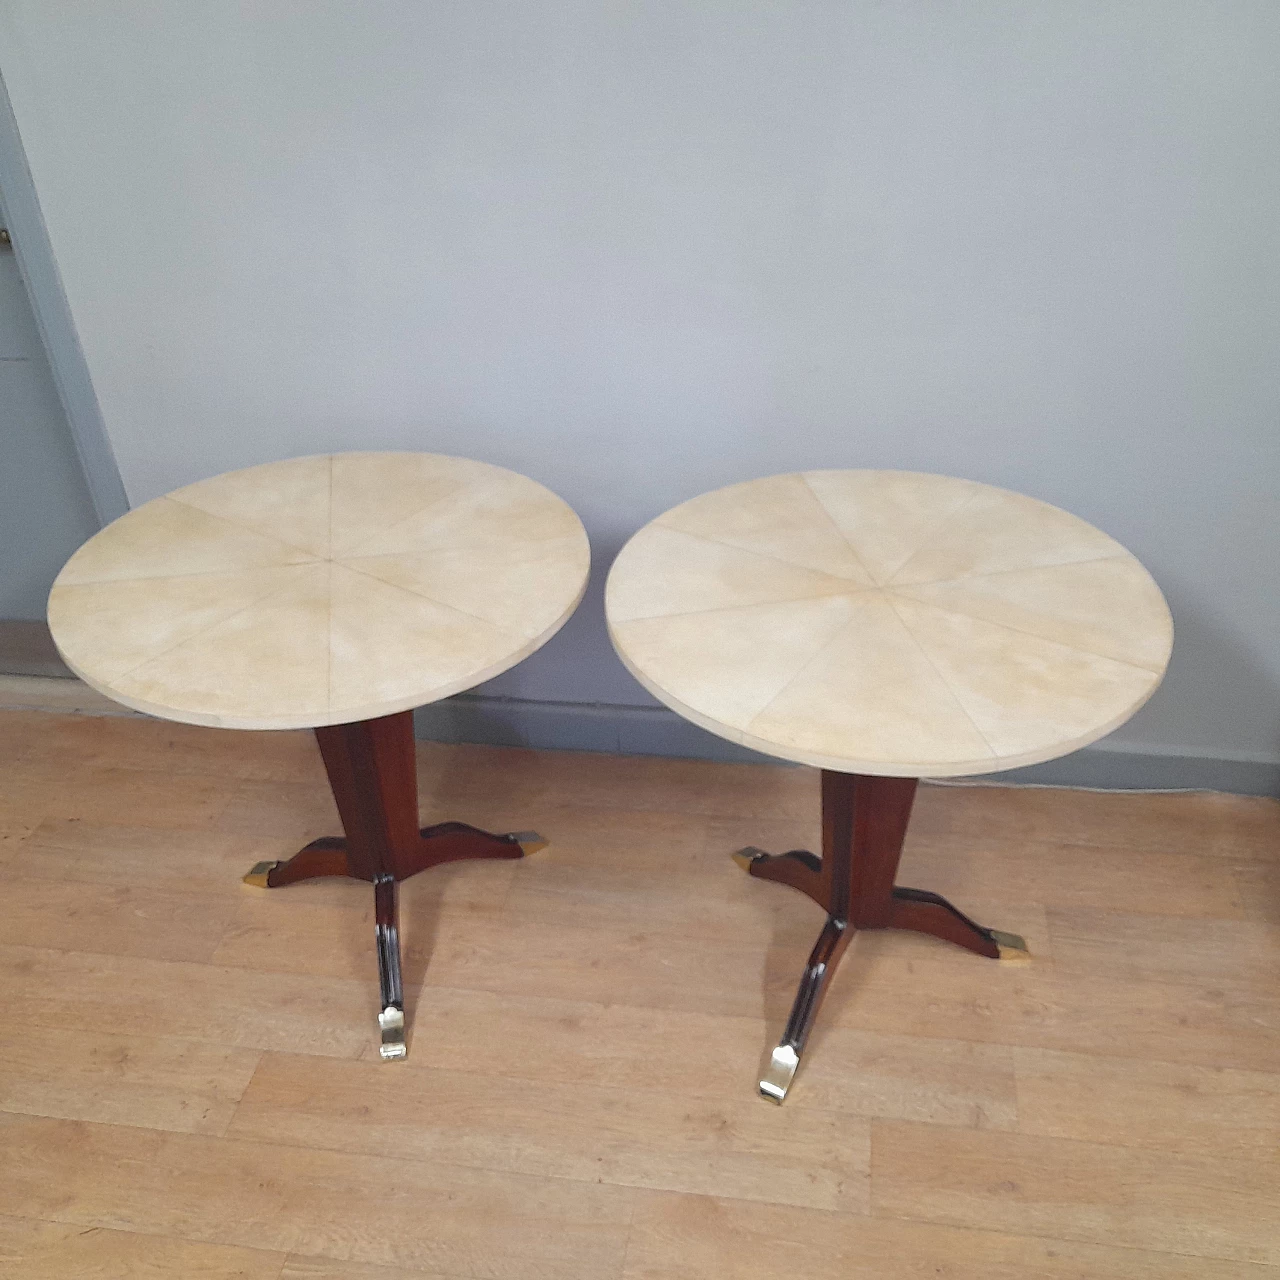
(459, 842)
(324, 857)
(797, 869)
(925, 912)
(443, 842)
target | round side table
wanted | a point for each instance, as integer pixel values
(332, 593)
(884, 626)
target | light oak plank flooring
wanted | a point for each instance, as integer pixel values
(695, 1237)
(35, 1250)
(152, 1081)
(656, 1138)
(1211, 1206)
(189, 1082)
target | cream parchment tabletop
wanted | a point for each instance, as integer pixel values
(319, 590)
(888, 623)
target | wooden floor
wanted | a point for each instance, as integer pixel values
(189, 1085)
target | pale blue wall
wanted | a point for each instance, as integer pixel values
(640, 250)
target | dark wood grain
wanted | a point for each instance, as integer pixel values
(373, 775)
(864, 825)
(371, 768)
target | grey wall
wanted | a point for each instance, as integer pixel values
(45, 511)
(640, 250)
(54, 323)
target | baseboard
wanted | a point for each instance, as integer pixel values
(574, 726)
(1112, 767)
(631, 730)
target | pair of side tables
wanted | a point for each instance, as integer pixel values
(881, 626)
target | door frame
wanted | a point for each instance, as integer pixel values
(20, 208)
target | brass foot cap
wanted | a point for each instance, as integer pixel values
(745, 857)
(1013, 949)
(779, 1074)
(260, 875)
(391, 1022)
(529, 841)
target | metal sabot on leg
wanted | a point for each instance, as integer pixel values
(391, 1023)
(745, 857)
(260, 875)
(779, 1073)
(529, 841)
(1013, 949)
(387, 940)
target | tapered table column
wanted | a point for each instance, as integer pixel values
(864, 824)
(371, 767)
(884, 627)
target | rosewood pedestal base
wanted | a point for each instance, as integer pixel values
(371, 767)
(864, 823)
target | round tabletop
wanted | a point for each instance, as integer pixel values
(888, 622)
(319, 590)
